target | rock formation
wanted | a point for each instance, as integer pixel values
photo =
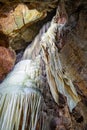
(20, 22)
(7, 61)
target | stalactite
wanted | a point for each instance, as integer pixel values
(20, 96)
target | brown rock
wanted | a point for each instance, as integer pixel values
(17, 16)
(18, 21)
(3, 40)
(74, 61)
(6, 1)
(14, 21)
(7, 60)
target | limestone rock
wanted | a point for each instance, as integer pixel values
(74, 53)
(15, 18)
(20, 22)
(18, 17)
(7, 60)
(74, 60)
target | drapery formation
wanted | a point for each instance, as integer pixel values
(57, 79)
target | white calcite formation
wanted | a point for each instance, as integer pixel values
(58, 81)
(20, 96)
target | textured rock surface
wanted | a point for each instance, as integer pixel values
(17, 21)
(74, 60)
(74, 53)
(17, 17)
(7, 60)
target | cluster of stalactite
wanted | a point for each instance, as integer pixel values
(20, 96)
